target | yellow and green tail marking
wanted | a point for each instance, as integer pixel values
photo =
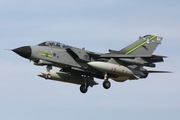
(140, 45)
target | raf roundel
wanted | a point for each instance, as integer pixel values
(54, 54)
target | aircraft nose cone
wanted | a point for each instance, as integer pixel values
(24, 51)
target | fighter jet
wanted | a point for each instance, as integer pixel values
(80, 66)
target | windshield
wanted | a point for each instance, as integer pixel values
(51, 43)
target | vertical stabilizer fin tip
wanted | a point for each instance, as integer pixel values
(145, 45)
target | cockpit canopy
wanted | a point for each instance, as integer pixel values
(54, 44)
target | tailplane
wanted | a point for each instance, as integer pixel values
(144, 46)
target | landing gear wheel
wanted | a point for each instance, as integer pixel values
(106, 84)
(48, 76)
(83, 88)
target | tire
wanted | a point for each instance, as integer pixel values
(83, 88)
(106, 84)
(48, 76)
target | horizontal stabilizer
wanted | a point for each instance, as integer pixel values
(130, 56)
(158, 56)
(154, 71)
(122, 56)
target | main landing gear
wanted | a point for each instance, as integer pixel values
(84, 87)
(106, 83)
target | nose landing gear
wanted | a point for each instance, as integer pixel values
(48, 68)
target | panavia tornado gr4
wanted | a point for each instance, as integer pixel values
(80, 66)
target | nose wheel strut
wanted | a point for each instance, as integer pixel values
(48, 68)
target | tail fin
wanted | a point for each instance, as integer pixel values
(144, 46)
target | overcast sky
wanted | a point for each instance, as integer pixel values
(97, 26)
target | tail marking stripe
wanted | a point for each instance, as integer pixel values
(141, 44)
